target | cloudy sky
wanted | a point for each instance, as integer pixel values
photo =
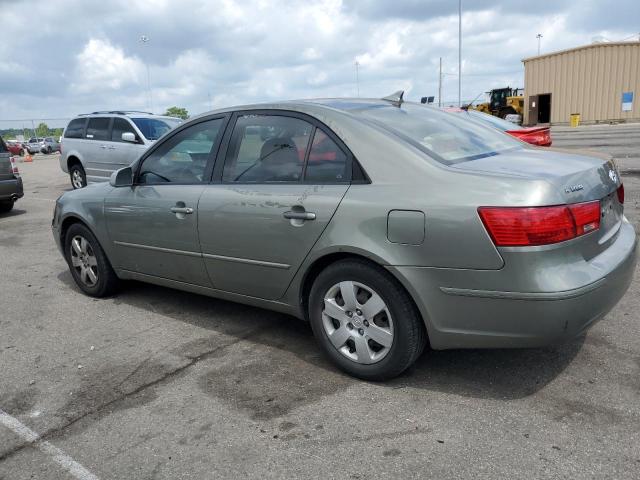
(63, 57)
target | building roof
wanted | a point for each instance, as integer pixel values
(583, 47)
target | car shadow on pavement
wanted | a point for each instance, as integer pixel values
(13, 213)
(292, 371)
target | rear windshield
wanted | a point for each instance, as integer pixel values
(446, 137)
(154, 128)
(497, 122)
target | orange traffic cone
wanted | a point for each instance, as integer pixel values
(28, 157)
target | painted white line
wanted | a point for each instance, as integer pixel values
(58, 456)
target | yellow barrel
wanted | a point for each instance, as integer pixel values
(575, 119)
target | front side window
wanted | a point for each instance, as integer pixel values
(98, 128)
(267, 148)
(183, 157)
(446, 137)
(120, 126)
(153, 128)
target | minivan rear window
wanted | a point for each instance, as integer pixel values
(445, 137)
(75, 129)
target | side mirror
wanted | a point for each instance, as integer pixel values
(122, 177)
(128, 137)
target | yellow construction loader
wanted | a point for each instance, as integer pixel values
(503, 102)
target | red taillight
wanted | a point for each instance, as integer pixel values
(14, 167)
(541, 138)
(528, 226)
(620, 193)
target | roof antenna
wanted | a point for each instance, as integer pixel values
(395, 98)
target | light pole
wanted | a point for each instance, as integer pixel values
(357, 79)
(459, 53)
(144, 39)
(539, 36)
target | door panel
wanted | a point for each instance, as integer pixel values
(533, 110)
(96, 156)
(150, 238)
(154, 224)
(249, 246)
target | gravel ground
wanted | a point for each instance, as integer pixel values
(159, 384)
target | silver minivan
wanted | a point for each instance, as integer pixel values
(95, 145)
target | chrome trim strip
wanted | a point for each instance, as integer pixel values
(563, 295)
(159, 249)
(282, 266)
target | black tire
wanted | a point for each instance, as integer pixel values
(49, 150)
(506, 111)
(6, 206)
(107, 281)
(76, 167)
(21, 152)
(409, 333)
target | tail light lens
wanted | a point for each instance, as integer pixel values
(529, 226)
(14, 167)
(620, 193)
(541, 138)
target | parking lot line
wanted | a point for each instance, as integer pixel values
(58, 456)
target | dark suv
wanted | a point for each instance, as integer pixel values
(10, 181)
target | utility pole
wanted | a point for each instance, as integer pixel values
(539, 36)
(440, 85)
(357, 79)
(459, 53)
(144, 39)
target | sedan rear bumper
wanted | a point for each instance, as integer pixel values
(476, 318)
(11, 189)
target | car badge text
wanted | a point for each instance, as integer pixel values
(573, 188)
(613, 176)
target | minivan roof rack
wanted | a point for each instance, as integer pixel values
(116, 112)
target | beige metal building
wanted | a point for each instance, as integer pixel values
(601, 82)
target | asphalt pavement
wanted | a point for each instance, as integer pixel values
(159, 384)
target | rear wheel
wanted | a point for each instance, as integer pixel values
(88, 263)
(6, 206)
(365, 321)
(78, 177)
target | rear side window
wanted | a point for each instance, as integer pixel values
(120, 126)
(98, 128)
(75, 129)
(327, 162)
(267, 148)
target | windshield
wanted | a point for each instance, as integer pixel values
(497, 122)
(444, 136)
(153, 128)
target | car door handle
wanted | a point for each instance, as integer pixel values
(184, 210)
(299, 215)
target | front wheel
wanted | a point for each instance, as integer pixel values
(78, 177)
(88, 263)
(365, 321)
(6, 206)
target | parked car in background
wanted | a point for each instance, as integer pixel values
(388, 225)
(15, 147)
(10, 181)
(33, 145)
(539, 136)
(96, 144)
(49, 145)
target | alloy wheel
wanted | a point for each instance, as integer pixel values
(76, 179)
(357, 322)
(84, 261)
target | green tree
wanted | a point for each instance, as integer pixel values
(42, 130)
(178, 112)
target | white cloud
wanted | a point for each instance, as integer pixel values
(101, 67)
